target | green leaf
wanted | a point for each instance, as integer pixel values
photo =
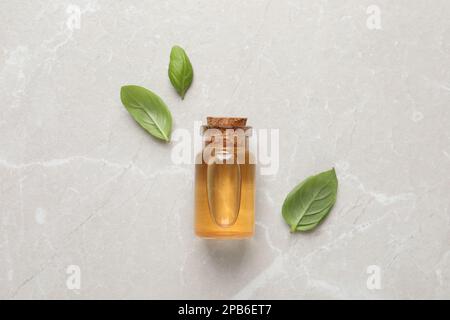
(311, 201)
(148, 110)
(180, 70)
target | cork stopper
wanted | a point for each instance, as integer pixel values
(222, 122)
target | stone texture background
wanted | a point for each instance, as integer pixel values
(81, 184)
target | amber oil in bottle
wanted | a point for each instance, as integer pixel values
(225, 181)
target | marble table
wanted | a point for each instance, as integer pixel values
(91, 206)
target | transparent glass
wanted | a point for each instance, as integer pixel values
(225, 186)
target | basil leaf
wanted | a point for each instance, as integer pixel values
(148, 110)
(180, 70)
(311, 201)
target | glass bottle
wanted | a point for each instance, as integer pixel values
(225, 181)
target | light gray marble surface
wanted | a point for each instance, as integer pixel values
(82, 186)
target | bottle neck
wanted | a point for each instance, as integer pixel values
(226, 146)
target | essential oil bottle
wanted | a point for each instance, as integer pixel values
(225, 181)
